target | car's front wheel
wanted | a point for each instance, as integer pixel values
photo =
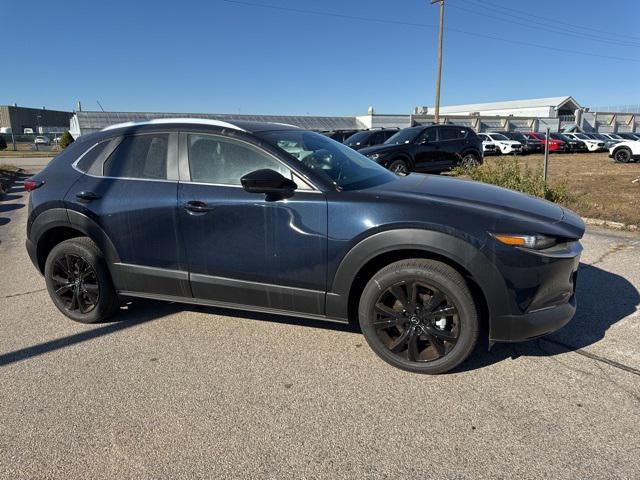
(622, 155)
(78, 281)
(419, 315)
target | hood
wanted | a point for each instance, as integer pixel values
(416, 187)
(382, 148)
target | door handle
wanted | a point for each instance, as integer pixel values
(87, 196)
(196, 206)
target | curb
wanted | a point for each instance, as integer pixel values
(612, 225)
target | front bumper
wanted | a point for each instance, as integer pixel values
(542, 294)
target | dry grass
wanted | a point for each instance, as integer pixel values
(599, 187)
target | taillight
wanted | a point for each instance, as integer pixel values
(30, 185)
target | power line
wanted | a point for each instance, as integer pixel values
(528, 15)
(424, 25)
(542, 26)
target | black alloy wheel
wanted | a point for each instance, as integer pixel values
(416, 321)
(622, 155)
(79, 282)
(76, 283)
(419, 315)
(469, 160)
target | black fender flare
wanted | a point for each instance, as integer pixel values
(461, 252)
(61, 217)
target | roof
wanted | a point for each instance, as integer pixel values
(88, 122)
(555, 102)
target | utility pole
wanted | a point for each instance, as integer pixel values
(439, 74)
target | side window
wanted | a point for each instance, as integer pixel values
(448, 133)
(429, 134)
(85, 163)
(463, 133)
(224, 161)
(377, 138)
(390, 133)
(139, 156)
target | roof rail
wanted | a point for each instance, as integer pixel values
(160, 121)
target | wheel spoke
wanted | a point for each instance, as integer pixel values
(436, 344)
(59, 280)
(384, 323)
(81, 304)
(62, 265)
(398, 292)
(74, 300)
(445, 335)
(64, 287)
(413, 346)
(399, 343)
(445, 311)
(382, 309)
(413, 296)
(434, 302)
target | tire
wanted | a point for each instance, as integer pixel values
(433, 338)
(399, 167)
(469, 160)
(622, 155)
(78, 281)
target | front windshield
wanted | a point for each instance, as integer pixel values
(617, 137)
(581, 136)
(337, 163)
(499, 136)
(520, 137)
(356, 138)
(559, 136)
(406, 135)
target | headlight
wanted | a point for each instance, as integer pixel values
(373, 156)
(536, 242)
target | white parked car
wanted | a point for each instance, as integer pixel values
(504, 143)
(626, 151)
(41, 140)
(592, 145)
(488, 146)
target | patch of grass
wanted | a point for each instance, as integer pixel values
(509, 173)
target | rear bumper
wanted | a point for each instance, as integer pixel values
(518, 328)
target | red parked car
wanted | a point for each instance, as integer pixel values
(554, 144)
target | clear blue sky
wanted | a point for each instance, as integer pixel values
(225, 57)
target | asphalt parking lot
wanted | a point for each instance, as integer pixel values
(178, 391)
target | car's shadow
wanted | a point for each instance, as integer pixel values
(604, 298)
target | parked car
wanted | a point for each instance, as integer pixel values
(273, 218)
(613, 136)
(504, 143)
(432, 148)
(592, 145)
(488, 146)
(625, 151)
(608, 143)
(41, 140)
(340, 135)
(369, 138)
(628, 136)
(573, 146)
(529, 144)
(554, 145)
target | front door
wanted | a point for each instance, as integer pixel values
(429, 153)
(244, 249)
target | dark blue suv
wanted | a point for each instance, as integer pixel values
(273, 218)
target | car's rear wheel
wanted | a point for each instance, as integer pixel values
(419, 315)
(399, 167)
(78, 281)
(622, 155)
(469, 160)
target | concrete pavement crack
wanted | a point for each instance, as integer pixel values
(24, 293)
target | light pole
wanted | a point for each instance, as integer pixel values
(439, 72)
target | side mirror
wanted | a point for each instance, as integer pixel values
(269, 182)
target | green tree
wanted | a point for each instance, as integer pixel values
(66, 139)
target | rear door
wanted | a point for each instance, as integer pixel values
(245, 249)
(130, 190)
(453, 141)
